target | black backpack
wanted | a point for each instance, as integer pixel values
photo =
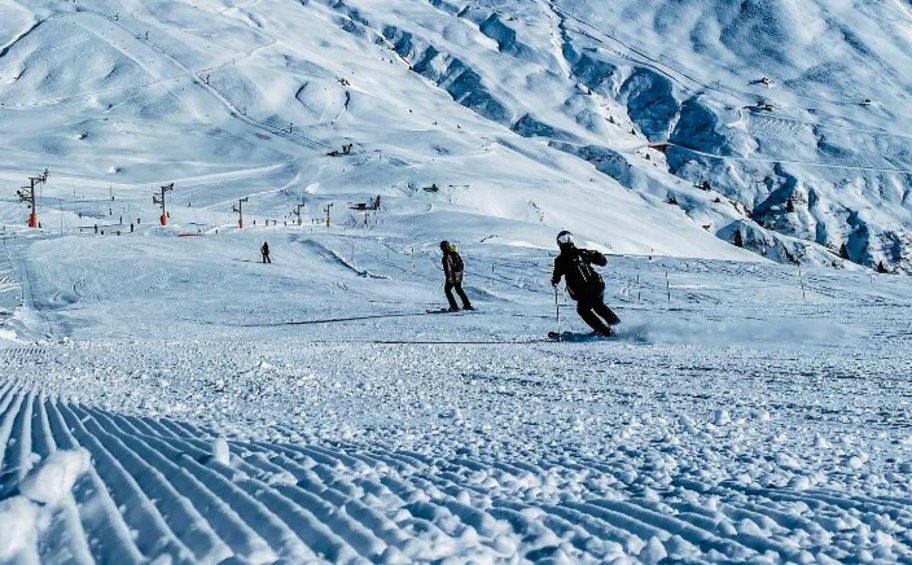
(456, 262)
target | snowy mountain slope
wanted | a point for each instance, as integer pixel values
(166, 397)
(835, 143)
(156, 83)
(824, 162)
(196, 111)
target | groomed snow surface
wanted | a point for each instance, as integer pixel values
(165, 398)
(173, 398)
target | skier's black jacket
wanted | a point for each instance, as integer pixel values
(576, 265)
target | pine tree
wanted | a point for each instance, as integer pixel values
(844, 251)
(739, 240)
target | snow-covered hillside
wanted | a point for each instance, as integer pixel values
(797, 110)
(165, 397)
(557, 114)
(250, 100)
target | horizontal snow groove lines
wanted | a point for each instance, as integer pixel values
(158, 488)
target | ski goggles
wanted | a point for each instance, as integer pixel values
(565, 238)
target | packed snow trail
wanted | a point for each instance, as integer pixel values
(158, 487)
(318, 420)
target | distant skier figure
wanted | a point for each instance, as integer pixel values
(584, 284)
(265, 251)
(453, 269)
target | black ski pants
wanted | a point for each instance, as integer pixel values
(455, 283)
(266, 258)
(593, 310)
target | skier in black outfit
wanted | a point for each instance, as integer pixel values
(453, 268)
(584, 284)
(264, 250)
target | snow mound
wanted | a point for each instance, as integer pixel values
(52, 480)
(220, 451)
(19, 526)
(25, 517)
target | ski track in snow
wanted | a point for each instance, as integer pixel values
(714, 429)
(156, 489)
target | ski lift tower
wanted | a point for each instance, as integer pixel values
(297, 211)
(27, 194)
(327, 210)
(159, 199)
(239, 209)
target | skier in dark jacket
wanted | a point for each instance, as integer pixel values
(584, 284)
(264, 250)
(453, 270)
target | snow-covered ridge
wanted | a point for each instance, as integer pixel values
(789, 109)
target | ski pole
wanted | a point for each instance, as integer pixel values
(557, 310)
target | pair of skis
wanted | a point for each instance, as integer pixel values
(573, 336)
